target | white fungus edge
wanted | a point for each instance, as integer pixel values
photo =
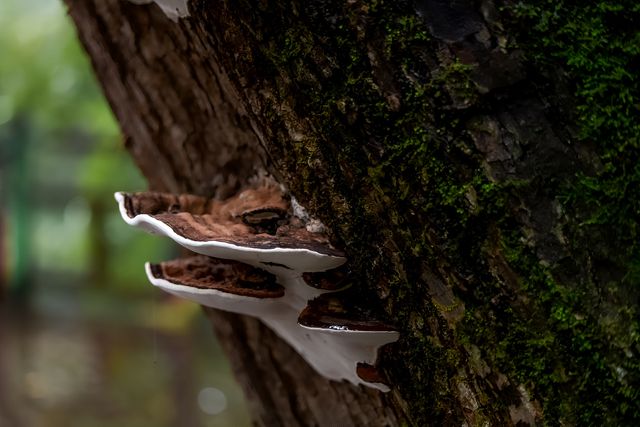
(174, 9)
(305, 260)
(348, 347)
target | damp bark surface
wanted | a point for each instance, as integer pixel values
(444, 158)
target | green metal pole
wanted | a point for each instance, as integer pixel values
(17, 189)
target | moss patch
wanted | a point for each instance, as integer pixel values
(385, 138)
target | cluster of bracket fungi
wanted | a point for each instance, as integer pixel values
(258, 256)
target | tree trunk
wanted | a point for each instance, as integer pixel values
(444, 161)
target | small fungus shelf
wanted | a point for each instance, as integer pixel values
(174, 9)
(259, 259)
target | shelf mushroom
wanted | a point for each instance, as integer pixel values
(174, 9)
(233, 229)
(257, 259)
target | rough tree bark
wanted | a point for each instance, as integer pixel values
(442, 159)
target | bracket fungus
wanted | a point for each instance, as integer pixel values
(174, 9)
(257, 258)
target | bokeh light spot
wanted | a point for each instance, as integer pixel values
(212, 401)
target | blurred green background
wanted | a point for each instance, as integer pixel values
(84, 339)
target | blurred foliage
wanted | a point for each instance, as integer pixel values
(44, 73)
(95, 344)
(62, 156)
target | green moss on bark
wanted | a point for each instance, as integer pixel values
(386, 138)
(597, 47)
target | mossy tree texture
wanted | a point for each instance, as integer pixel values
(477, 161)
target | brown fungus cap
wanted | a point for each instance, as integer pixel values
(331, 280)
(232, 277)
(256, 218)
(330, 312)
(369, 373)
